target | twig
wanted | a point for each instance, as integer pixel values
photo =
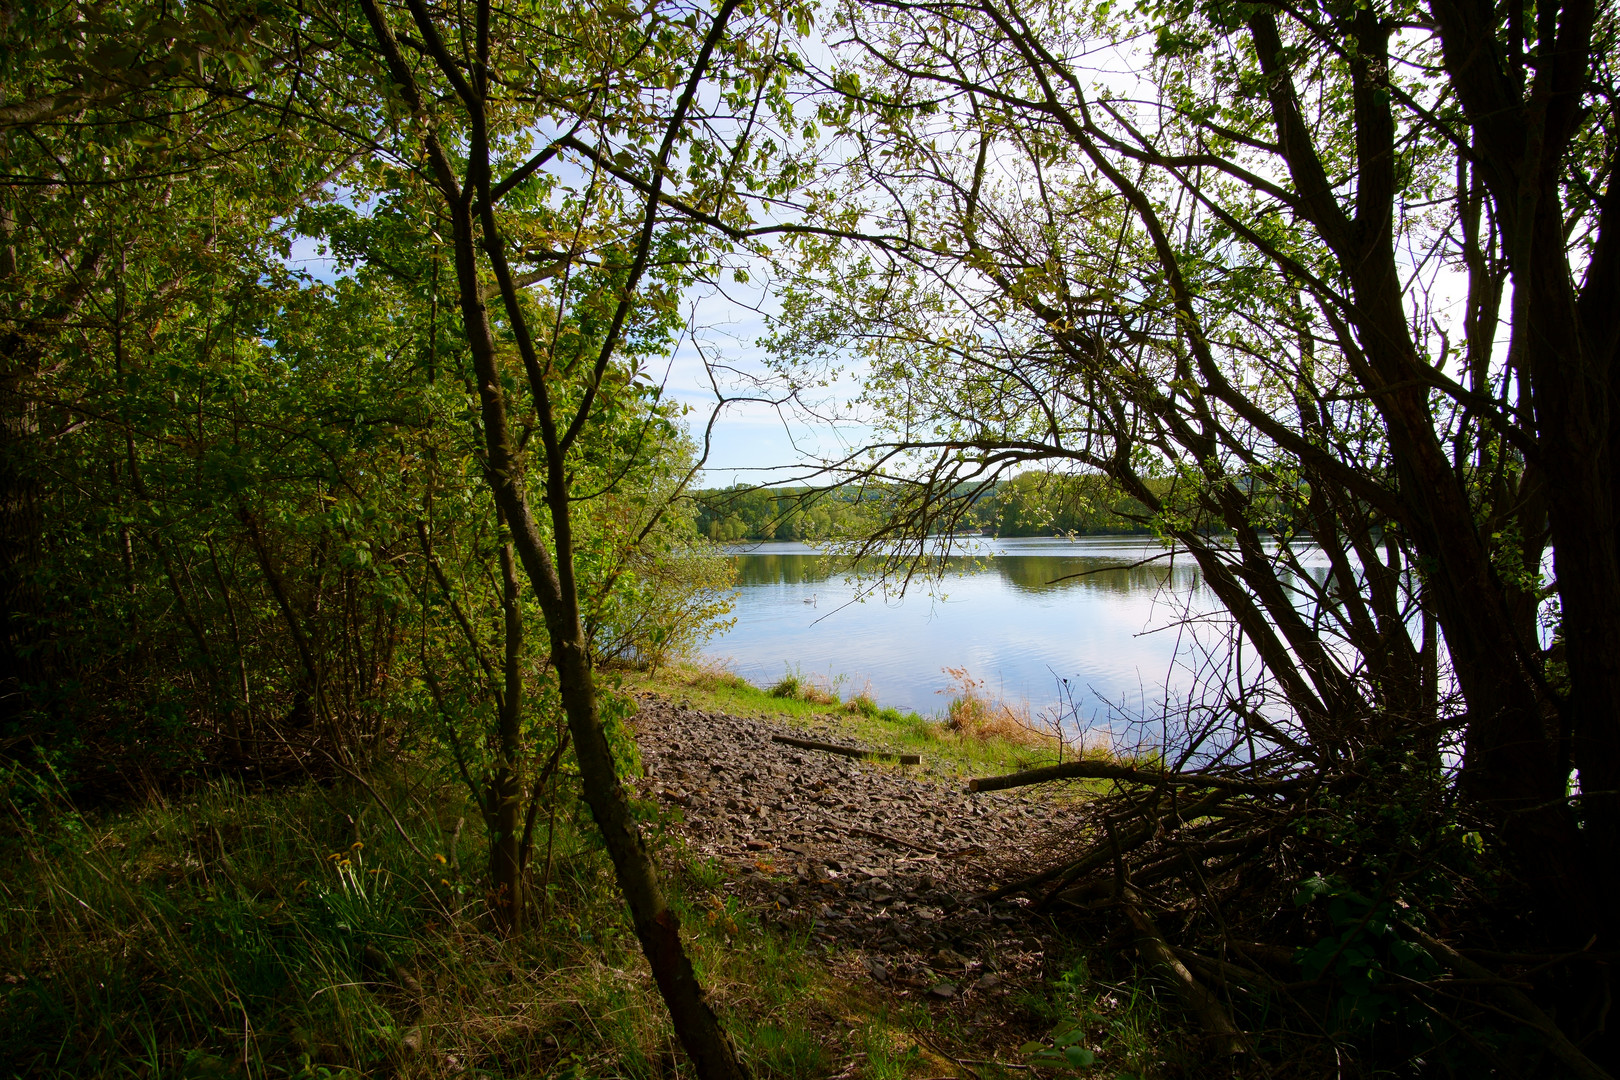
(1097, 855)
(886, 838)
(379, 799)
(993, 1061)
(947, 1055)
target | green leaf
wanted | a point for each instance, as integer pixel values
(1079, 1057)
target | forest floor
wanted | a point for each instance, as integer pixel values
(340, 929)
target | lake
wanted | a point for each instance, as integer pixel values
(1019, 616)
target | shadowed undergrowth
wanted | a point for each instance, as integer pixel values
(307, 932)
(297, 933)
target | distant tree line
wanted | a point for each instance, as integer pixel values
(1047, 504)
(743, 512)
(1030, 504)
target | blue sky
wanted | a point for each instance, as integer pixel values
(750, 442)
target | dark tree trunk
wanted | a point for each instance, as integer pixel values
(505, 794)
(553, 582)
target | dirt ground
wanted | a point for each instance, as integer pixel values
(880, 863)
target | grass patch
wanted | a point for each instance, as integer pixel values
(863, 705)
(812, 690)
(295, 933)
(959, 748)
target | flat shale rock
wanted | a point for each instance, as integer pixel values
(873, 859)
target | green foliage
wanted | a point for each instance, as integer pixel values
(225, 460)
(296, 932)
(741, 512)
(1029, 504)
(1114, 1026)
(615, 710)
(1065, 1051)
(1046, 504)
(1364, 957)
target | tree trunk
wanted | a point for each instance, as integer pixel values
(656, 926)
(505, 793)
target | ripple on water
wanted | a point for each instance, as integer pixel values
(1021, 616)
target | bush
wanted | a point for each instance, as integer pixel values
(976, 715)
(863, 705)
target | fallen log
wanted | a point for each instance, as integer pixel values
(1099, 854)
(1130, 774)
(846, 751)
(1224, 1036)
(898, 841)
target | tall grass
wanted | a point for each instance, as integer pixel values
(297, 933)
(973, 712)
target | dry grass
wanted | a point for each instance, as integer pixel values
(975, 714)
(703, 673)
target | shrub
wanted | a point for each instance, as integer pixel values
(974, 714)
(863, 704)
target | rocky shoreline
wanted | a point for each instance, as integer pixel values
(879, 863)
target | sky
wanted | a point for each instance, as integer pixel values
(750, 442)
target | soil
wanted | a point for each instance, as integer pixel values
(880, 863)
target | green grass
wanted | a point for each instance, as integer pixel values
(295, 933)
(944, 751)
(1124, 1019)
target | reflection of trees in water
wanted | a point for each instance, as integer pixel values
(1037, 574)
(776, 569)
(1025, 573)
(1029, 573)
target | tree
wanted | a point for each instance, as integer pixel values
(477, 92)
(275, 464)
(1257, 268)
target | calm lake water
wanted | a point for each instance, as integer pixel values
(1015, 617)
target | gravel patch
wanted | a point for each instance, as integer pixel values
(878, 862)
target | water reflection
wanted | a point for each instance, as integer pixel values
(771, 568)
(1040, 574)
(1019, 614)
(1025, 573)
